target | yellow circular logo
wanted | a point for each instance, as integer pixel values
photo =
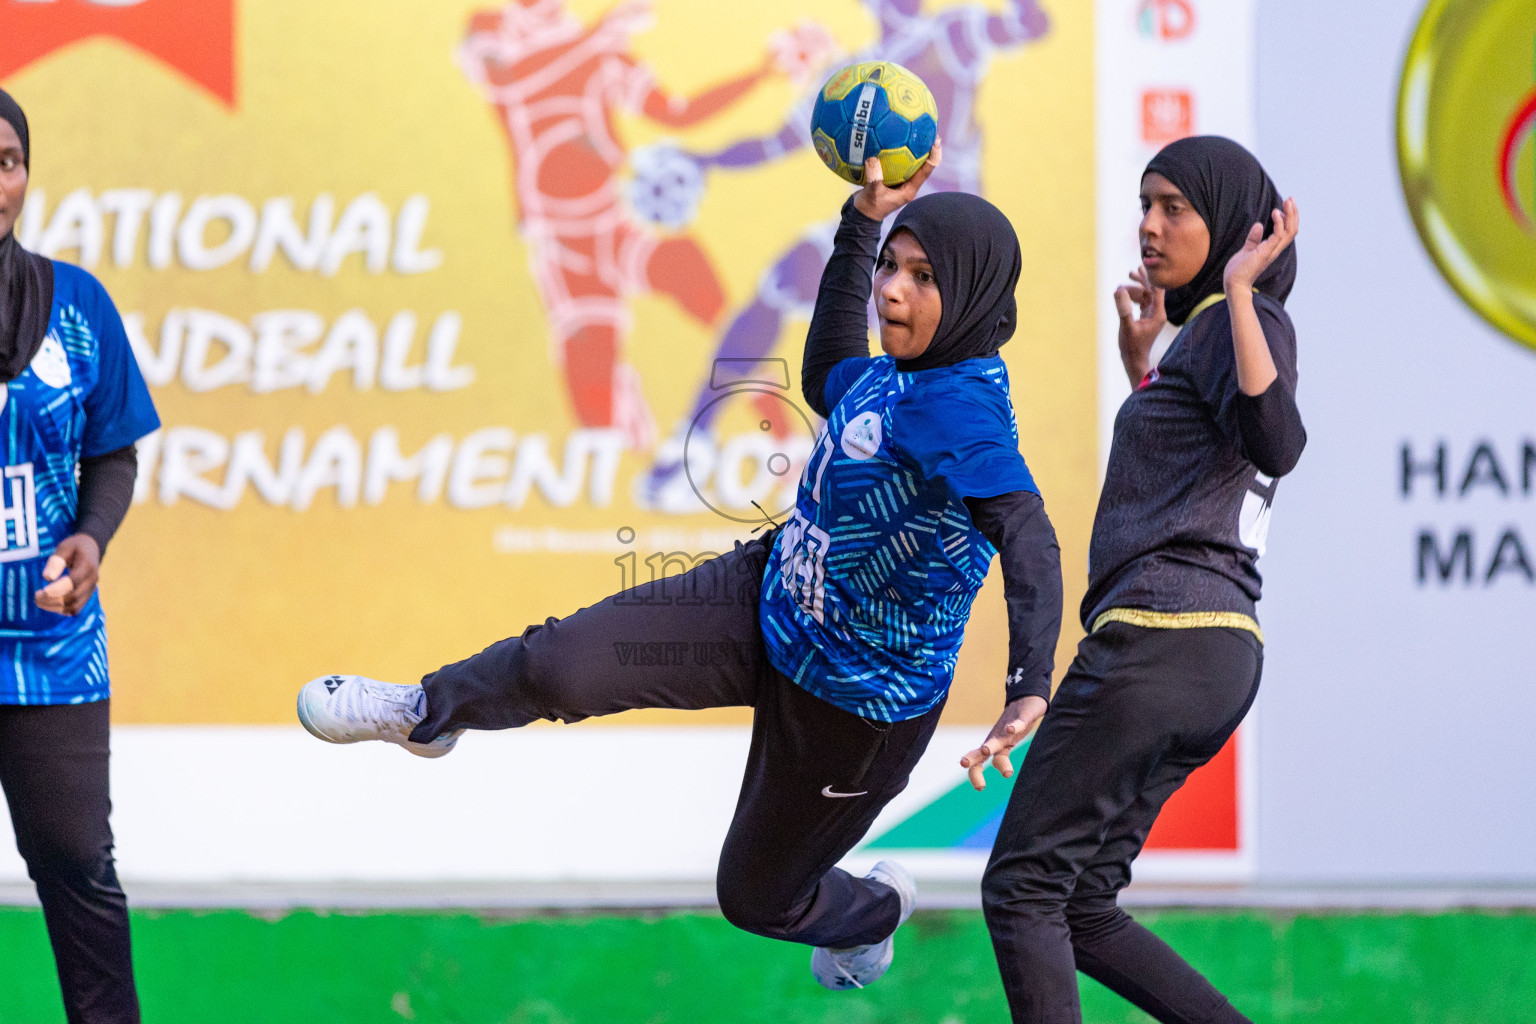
(1466, 147)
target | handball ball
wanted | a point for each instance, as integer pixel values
(874, 109)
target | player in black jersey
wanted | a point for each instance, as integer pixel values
(1173, 654)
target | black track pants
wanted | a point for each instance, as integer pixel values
(816, 775)
(1138, 711)
(53, 769)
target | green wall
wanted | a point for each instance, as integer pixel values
(232, 967)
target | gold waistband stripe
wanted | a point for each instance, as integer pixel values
(1178, 620)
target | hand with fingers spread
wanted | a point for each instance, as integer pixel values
(1018, 718)
(1142, 317)
(1258, 252)
(878, 202)
(1255, 364)
(66, 594)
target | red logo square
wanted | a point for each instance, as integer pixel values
(1166, 115)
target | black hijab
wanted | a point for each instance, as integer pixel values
(26, 279)
(1231, 192)
(976, 263)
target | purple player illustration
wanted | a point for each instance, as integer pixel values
(951, 50)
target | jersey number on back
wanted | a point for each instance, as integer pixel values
(802, 565)
(18, 514)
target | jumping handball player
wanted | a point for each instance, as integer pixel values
(847, 620)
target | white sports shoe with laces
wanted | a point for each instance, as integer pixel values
(346, 709)
(860, 965)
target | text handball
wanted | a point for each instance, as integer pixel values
(878, 108)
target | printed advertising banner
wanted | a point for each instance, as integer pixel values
(459, 317)
(1401, 584)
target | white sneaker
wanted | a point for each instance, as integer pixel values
(346, 709)
(860, 965)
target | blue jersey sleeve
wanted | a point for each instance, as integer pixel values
(118, 410)
(964, 435)
(843, 376)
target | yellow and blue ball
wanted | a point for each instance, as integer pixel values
(877, 108)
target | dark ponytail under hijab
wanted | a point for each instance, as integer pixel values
(975, 258)
(1231, 192)
(26, 279)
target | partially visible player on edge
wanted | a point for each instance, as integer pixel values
(1173, 654)
(848, 619)
(951, 50)
(72, 404)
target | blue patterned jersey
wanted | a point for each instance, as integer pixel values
(866, 596)
(81, 396)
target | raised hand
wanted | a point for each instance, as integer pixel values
(1258, 252)
(1142, 318)
(877, 202)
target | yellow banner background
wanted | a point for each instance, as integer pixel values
(217, 616)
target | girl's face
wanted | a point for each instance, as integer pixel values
(906, 297)
(1175, 240)
(13, 178)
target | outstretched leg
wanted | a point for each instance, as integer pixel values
(686, 642)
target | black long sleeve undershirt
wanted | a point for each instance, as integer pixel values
(1266, 426)
(840, 324)
(1270, 429)
(1014, 523)
(106, 491)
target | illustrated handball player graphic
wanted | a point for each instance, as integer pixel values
(951, 51)
(556, 85)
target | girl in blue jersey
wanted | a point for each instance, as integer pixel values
(843, 625)
(72, 403)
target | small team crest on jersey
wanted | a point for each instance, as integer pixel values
(862, 436)
(51, 364)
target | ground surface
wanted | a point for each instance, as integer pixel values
(690, 967)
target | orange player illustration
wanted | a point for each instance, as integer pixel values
(556, 85)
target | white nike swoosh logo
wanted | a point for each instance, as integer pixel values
(827, 791)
